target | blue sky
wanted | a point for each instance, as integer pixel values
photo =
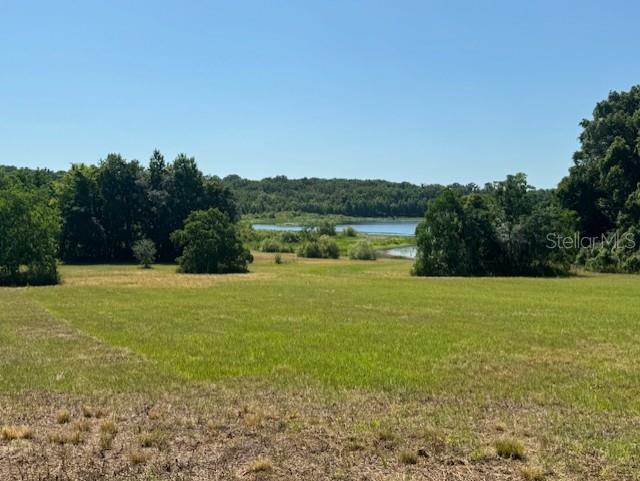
(419, 91)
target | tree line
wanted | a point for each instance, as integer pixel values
(592, 219)
(350, 197)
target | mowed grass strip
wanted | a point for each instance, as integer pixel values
(39, 352)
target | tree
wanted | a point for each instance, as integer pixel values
(440, 238)
(83, 237)
(606, 169)
(210, 243)
(144, 251)
(28, 239)
(504, 231)
(122, 192)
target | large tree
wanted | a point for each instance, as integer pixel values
(123, 201)
(605, 177)
(210, 243)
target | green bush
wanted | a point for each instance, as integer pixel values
(273, 245)
(210, 243)
(362, 251)
(328, 247)
(322, 248)
(289, 237)
(310, 249)
(144, 251)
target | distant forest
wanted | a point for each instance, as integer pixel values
(350, 197)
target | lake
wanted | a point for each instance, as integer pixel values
(395, 228)
(408, 252)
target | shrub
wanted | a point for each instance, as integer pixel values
(363, 251)
(277, 259)
(273, 245)
(310, 249)
(289, 237)
(322, 248)
(632, 263)
(210, 244)
(328, 247)
(144, 251)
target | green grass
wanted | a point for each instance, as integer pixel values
(558, 357)
(371, 325)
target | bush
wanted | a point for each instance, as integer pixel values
(289, 237)
(144, 251)
(28, 239)
(273, 245)
(277, 259)
(362, 251)
(325, 247)
(210, 243)
(309, 249)
(328, 247)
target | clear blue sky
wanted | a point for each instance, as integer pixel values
(419, 91)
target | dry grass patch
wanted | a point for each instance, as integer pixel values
(91, 412)
(155, 414)
(9, 433)
(387, 438)
(408, 456)
(137, 456)
(108, 427)
(261, 465)
(82, 426)
(435, 440)
(70, 436)
(152, 439)
(532, 473)
(510, 448)
(63, 416)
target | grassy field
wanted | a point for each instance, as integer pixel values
(317, 369)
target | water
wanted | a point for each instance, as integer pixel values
(408, 252)
(395, 228)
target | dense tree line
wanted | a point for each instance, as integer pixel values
(105, 208)
(503, 229)
(351, 197)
